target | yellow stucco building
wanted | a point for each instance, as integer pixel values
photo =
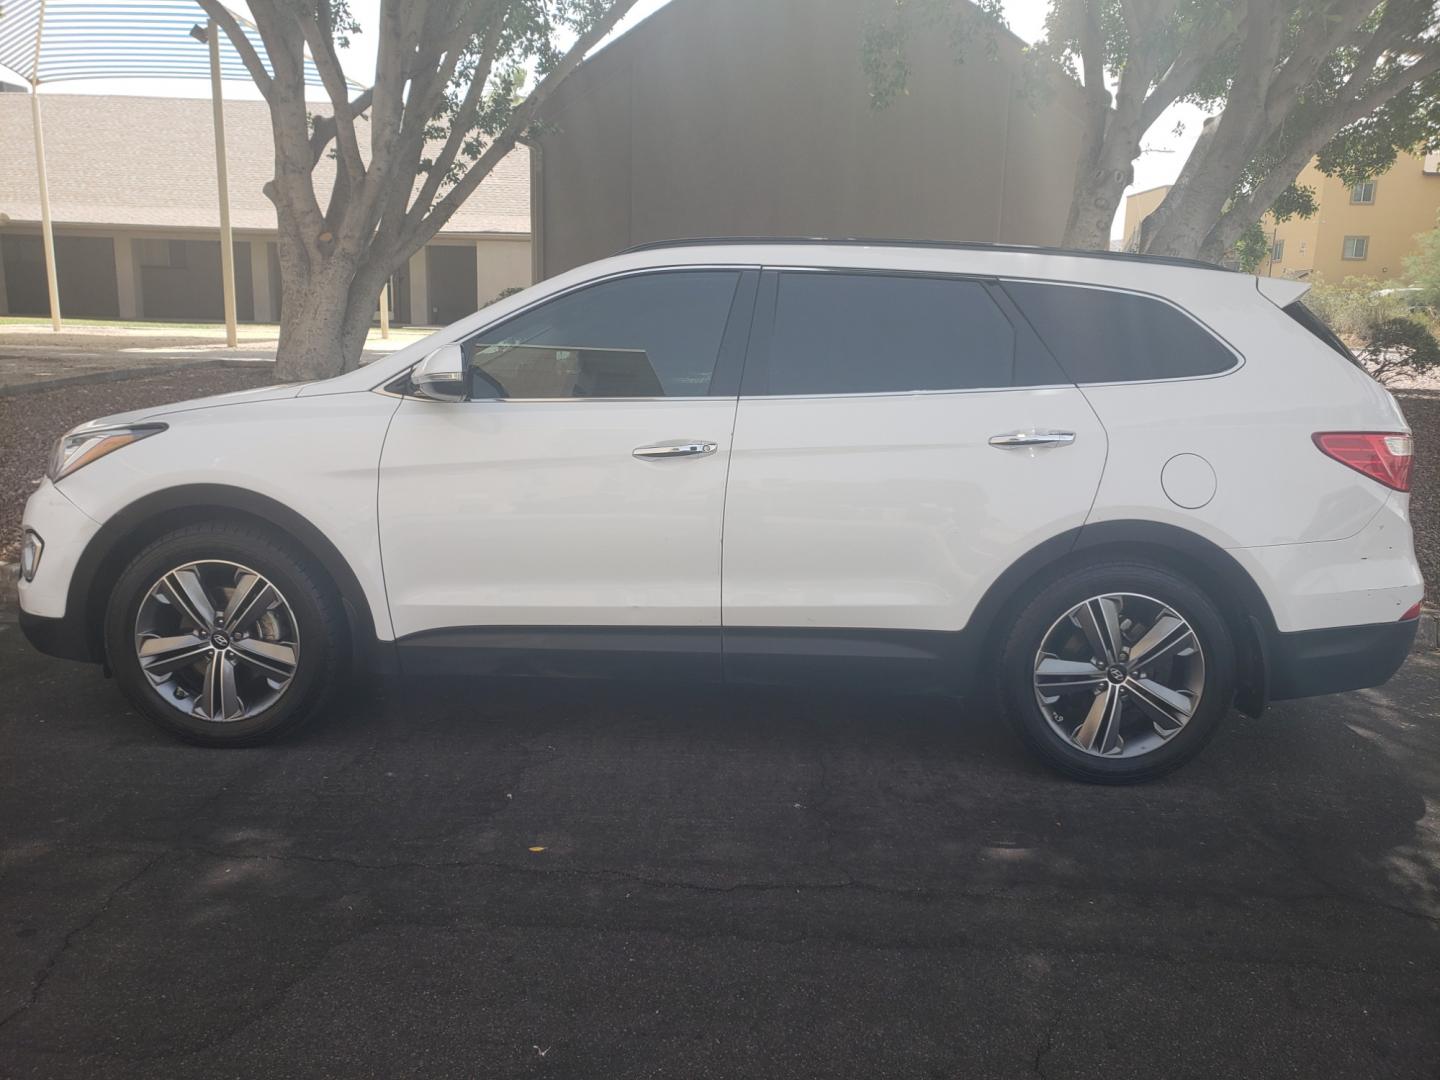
(1363, 232)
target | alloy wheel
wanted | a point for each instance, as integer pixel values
(1119, 675)
(217, 641)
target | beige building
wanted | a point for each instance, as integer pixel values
(1138, 207)
(1356, 232)
(1364, 231)
(752, 117)
(135, 206)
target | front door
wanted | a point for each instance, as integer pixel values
(900, 441)
(581, 486)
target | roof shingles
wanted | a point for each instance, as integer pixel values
(150, 162)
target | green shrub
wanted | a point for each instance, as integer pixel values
(1399, 348)
(1422, 269)
(1353, 308)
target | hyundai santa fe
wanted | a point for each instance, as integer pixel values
(1117, 495)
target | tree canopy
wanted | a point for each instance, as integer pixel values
(457, 84)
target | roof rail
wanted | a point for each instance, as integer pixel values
(953, 245)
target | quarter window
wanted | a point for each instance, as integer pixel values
(1103, 336)
(656, 335)
(1357, 247)
(842, 333)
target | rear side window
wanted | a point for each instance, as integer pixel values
(875, 333)
(1103, 336)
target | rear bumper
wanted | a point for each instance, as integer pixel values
(1306, 663)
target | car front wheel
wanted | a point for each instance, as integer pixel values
(1118, 672)
(223, 635)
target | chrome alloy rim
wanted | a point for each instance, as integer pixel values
(1119, 675)
(217, 641)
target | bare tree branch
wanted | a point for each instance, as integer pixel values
(420, 230)
(238, 38)
(323, 128)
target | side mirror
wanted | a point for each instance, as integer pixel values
(441, 375)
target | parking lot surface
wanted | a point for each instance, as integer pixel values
(503, 879)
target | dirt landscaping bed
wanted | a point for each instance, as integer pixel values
(1423, 412)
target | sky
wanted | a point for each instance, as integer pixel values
(1163, 150)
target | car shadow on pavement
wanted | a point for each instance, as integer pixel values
(697, 882)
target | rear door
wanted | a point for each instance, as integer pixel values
(900, 441)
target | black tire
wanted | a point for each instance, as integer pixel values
(311, 598)
(1026, 631)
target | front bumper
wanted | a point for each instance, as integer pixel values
(1306, 663)
(46, 617)
(66, 531)
(63, 637)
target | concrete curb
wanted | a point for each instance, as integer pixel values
(136, 372)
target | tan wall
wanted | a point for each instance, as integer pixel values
(1138, 207)
(500, 265)
(750, 117)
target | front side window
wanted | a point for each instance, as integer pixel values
(654, 335)
(1363, 194)
(844, 333)
(1104, 336)
(1357, 247)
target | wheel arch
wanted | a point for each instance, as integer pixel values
(1211, 567)
(125, 533)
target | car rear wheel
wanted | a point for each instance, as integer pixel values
(223, 635)
(1118, 672)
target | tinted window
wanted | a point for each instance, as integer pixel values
(1316, 325)
(1103, 336)
(652, 336)
(869, 333)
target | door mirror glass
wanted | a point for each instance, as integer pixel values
(441, 375)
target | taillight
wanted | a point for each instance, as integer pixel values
(1413, 613)
(1384, 456)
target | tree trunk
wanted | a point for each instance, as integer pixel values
(1093, 204)
(313, 307)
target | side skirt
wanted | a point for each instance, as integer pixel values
(901, 660)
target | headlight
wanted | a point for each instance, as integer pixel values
(79, 448)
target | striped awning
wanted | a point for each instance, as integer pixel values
(46, 41)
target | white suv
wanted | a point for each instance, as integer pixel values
(1126, 493)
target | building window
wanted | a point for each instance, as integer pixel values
(1363, 194)
(1277, 251)
(1356, 247)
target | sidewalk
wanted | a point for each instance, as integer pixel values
(34, 357)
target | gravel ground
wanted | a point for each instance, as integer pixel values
(1423, 412)
(30, 424)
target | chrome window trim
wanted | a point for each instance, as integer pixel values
(1001, 279)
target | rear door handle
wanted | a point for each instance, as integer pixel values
(1016, 440)
(665, 451)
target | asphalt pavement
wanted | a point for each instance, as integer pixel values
(540, 880)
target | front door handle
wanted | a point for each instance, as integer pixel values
(1016, 440)
(665, 451)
